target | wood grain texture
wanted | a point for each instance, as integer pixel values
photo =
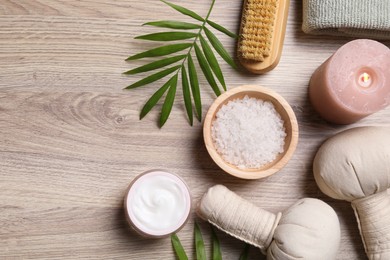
(71, 141)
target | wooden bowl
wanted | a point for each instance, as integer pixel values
(290, 125)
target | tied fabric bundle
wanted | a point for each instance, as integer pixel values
(354, 18)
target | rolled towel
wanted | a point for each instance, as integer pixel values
(353, 18)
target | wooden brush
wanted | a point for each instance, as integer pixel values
(263, 25)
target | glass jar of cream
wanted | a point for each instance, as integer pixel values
(157, 203)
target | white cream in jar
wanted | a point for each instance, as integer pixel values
(157, 203)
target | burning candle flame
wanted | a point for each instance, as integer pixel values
(365, 77)
(365, 80)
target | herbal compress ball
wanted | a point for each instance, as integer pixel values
(354, 165)
(308, 230)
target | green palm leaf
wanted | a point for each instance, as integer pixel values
(199, 244)
(195, 87)
(174, 25)
(219, 48)
(212, 61)
(206, 70)
(205, 55)
(156, 65)
(153, 77)
(161, 51)
(177, 246)
(167, 36)
(186, 94)
(184, 11)
(168, 103)
(154, 99)
(217, 255)
(222, 29)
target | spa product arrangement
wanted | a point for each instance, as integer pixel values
(251, 132)
(263, 25)
(204, 41)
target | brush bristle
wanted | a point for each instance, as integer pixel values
(257, 27)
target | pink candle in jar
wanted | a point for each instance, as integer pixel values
(353, 83)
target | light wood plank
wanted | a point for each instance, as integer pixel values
(71, 140)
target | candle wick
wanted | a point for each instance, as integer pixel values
(365, 80)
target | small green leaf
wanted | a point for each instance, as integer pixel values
(219, 48)
(199, 244)
(245, 253)
(153, 77)
(212, 60)
(154, 99)
(222, 29)
(174, 25)
(168, 103)
(179, 250)
(156, 65)
(167, 36)
(184, 11)
(217, 255)
(195, 88)
(206, 70)
(161, 51)
(186, 94)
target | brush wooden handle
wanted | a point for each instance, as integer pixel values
(278, 31)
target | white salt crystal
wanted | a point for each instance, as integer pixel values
(248, 132)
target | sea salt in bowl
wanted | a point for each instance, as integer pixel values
(250, 132)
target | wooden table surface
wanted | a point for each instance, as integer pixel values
(71, 139)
